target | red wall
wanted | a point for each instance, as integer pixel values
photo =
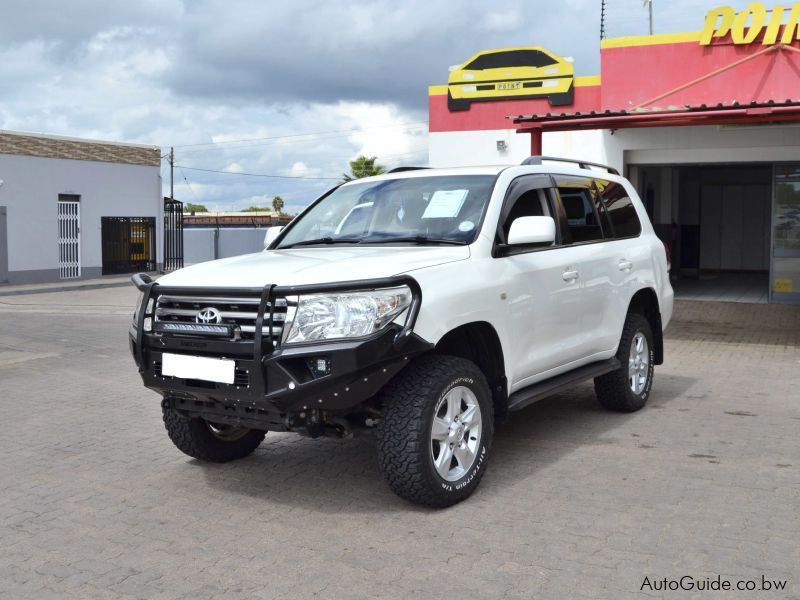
(636, 74)
(632, 75)
(492, 114)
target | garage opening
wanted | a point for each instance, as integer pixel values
(129, 244)
(717, 221)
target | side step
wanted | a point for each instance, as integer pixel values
(522, 398)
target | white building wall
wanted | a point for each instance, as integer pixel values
(30, 190)
(651, 145)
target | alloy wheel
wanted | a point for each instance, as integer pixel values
(456, 433)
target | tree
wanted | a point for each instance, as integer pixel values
(363, 166)
(255, 209)
(277, 204)
(194, 208)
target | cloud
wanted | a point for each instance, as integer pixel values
(201, 75)
(502, 21)
(301, 169)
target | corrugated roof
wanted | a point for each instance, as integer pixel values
(653, 111)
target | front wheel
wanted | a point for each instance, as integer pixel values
(210, 442)
(436, 432)
(627, 388)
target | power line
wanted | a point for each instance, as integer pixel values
(189, 185)
(394, 156)
(311, 134)
(281, 141)
(255, 174)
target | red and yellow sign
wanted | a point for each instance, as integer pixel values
(745, 26)
(508, 73)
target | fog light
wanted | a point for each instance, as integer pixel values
(320, 366)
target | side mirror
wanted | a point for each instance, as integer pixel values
(532, 230)
(271, 235)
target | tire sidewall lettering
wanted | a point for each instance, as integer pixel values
(650, 367)
(466, 480)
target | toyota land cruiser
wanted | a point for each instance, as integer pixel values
(424, 304)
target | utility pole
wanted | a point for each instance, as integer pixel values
(171, 173)
(602, 19)
(649, 5)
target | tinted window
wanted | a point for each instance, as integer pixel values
(600, 209)
(532, 203)
(513, 58)
(621, 211)
(582, 222)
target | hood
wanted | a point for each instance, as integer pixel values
(301, 266)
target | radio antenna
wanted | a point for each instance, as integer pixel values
(602, 19)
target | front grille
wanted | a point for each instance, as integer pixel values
(240, 311)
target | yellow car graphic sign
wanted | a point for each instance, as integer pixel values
(523, 72)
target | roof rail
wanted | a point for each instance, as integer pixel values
(583, 164)
(402, 169)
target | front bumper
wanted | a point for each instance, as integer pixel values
(274, 383)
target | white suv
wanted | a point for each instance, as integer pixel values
(422, 303)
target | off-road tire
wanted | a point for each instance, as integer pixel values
(193, 437)
(404, 433)
(613, 389)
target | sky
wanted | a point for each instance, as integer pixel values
(267, 87)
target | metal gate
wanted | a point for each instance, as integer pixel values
(129, 244)
(173, 234)
(69, 239)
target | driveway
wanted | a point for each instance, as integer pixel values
(95, 502)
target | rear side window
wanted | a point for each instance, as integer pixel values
(583, 224)
(512, 58)
(620, 209)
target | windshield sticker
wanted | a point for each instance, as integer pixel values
(466, 226)
(445, 204)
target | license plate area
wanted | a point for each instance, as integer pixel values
(509, 85)
(217, 370)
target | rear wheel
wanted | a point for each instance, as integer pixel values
(436, 432)
(627, 388)
(211, 442)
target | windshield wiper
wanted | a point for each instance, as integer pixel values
(321, 241)
(416, 239)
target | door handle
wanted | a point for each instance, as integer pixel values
(569, 275)
(625, 265)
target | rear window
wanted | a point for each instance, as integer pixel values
(512, 58)
(621, 211)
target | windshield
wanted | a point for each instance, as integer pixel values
(444, 209)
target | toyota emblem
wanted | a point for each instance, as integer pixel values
(209, 315)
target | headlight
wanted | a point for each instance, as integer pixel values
(348, 315)
(148, 325)
(138, 306)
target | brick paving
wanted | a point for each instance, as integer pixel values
(95, 502)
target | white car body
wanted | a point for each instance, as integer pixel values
(553, 310)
